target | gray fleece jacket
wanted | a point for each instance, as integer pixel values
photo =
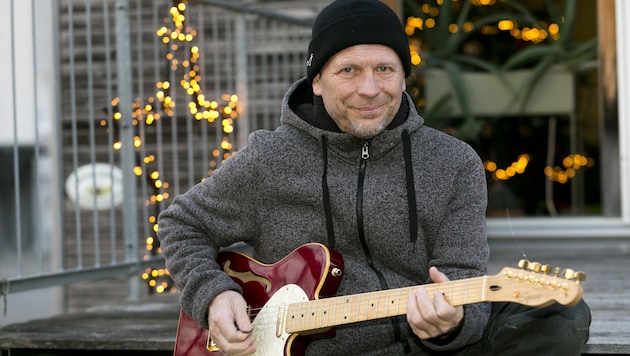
(408, 199)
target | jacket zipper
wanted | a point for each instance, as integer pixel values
(365, 154)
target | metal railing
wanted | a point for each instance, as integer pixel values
(134, 102)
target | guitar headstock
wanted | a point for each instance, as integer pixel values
(535, 285)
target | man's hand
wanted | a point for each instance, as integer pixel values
(229, 323)
(432, 319)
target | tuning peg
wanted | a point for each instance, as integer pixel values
(556, 272)
(535, 266)
(568, 273)
(523, 264)
(576, 275)
(579, 276)
(546, 269)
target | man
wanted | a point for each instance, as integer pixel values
(353, 167)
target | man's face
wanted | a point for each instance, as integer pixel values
(362, 88)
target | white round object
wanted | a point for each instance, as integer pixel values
(95, 186)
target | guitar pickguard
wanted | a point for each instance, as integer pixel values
(269, 334)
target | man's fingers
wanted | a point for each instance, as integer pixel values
(243, 322)
(230, 326)
(432, 317)
(420, 312)
(437, 276)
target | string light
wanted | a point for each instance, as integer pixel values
(570, 165)
(517, 167)
(161, 105)
(537, 34)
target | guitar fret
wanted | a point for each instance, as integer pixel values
(466, 293)
(359, 308)
(321, 313)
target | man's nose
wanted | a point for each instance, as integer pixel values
(369, 85)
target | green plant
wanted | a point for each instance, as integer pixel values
(560, 50)
(449, 27)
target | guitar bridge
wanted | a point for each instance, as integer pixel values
(279, 321)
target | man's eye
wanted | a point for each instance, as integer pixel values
(383, 69)
(347, 70)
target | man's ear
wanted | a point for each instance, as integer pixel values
(317, 86)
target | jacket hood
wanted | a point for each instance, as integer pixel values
(300, 112)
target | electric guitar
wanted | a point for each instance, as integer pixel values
(292, 301)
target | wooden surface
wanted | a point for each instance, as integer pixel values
(151, 325)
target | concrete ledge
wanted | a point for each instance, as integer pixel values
(147, 326)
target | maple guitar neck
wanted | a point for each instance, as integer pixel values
(511, 285)
(329, 312)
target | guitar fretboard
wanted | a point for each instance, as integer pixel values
(329, 312)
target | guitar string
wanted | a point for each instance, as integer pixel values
(328, 312)
(509, 219)
(333, 308)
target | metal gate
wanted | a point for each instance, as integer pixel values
(116, 107)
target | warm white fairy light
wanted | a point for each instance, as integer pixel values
(161, 105)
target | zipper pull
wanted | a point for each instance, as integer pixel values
(365, 152)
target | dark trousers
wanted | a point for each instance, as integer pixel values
(515, 330)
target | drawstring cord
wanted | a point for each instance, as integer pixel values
(411, 190)
(326, 195)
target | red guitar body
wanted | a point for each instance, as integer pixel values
(314, 267)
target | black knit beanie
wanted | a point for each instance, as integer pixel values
(346, 23)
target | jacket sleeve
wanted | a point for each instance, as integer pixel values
(458, 247)
(216, 212)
